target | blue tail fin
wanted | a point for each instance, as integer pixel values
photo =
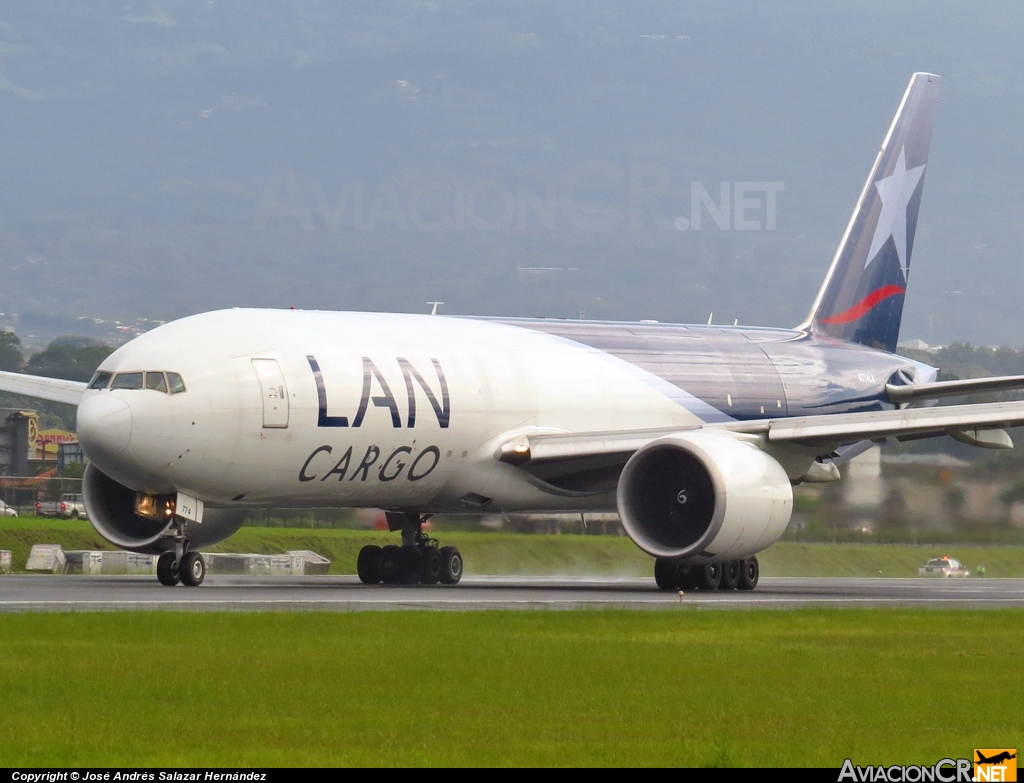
(862, 297)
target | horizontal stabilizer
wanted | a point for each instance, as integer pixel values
(52, 389)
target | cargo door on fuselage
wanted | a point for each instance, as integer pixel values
(274, 391)
(757, 390)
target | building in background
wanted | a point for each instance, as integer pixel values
(18, 431)
(47, 444)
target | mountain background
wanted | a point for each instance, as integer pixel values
(531, 158)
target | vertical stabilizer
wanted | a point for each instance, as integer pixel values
(862, 297)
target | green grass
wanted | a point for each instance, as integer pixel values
(890, 560)
(571, 555)
(806, 687)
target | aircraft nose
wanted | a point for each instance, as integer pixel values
(104, 425)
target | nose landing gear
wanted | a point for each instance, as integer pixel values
(190, 570)
(180, 565)
(420, 559)
(167, 569)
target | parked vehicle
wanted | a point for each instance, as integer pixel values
(7, 511)
(68, 507)
(944, 567)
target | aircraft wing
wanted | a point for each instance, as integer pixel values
(904, 424)
(970, 423)
(52, 389)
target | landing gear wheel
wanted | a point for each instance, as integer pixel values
(390, 564)
(430, 573)
(192, 569)
(666, 574)
(688, 578)
(750, 572)
(730, 575)
(451, 565)
(167, 569)
(410, 565)
(708, 577)
(368, 565)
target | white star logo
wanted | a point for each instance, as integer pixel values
(895, 192)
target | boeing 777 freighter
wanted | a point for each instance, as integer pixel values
(695, 435)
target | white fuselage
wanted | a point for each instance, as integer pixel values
(261, 433)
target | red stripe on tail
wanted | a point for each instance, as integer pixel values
(864, 305)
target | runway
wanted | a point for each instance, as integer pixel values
(35, 593)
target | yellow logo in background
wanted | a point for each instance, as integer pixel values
(995, 764)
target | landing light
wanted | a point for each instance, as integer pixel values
(145, 506)
(152, 507)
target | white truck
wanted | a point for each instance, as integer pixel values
(945, 567)
(68, 507)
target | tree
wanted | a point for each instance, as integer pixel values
(954, 500)
(71, 358)
(11, 359)
(1014, 494)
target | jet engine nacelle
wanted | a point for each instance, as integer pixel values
(701, 497)
(111, 509)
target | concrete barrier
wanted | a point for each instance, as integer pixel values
(47, 557)
(114, 563)
(84, 561)
(227, 563)
(314, 564)
(93, 562)
(298, 563)
(141, 564)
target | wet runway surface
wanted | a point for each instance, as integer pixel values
(344, 593)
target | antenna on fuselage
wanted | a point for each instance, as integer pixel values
(710, 316)
(433, 310)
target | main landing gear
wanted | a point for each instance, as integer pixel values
(419, 560)
(731, 575)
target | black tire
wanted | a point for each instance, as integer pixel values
(167, 569)
(730, 575)
(368, 565)
(708, 577)
(451, 565)
(666, 574)
(410, 565)
(750, 572)
(192, 569)
(687, 578)
(430, 573)
(390, 564)
(74, 514)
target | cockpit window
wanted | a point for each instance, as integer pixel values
(175, 382)
(127, 380)
(156, 382)
(100, 380)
